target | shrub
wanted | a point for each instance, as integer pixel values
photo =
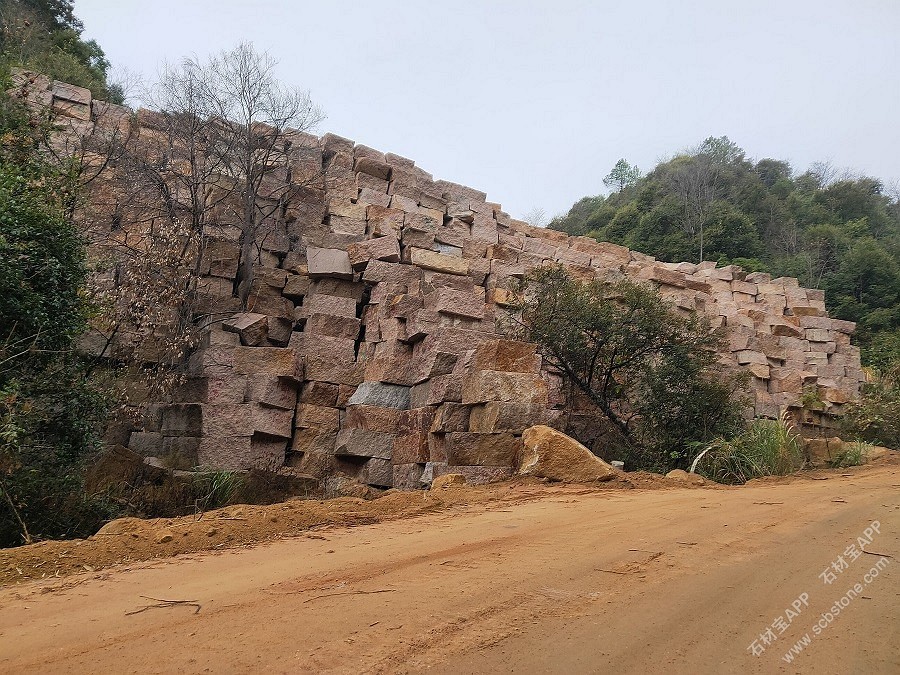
(50, 415)
(766, 448)
(875, 417)
(214, 489)
(652, 372)
(851, 454)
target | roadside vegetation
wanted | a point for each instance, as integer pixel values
(50, 414)
(875, 417)
(653, 373)
(765, 448)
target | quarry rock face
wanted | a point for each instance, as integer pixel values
(370, 345)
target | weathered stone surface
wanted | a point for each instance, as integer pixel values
(71, 101)
(467, 449)
(438, 262)
(184, 419)
(373, 418)
(327, 359)
(320, 393)
(373, 167)
(296, 286)
(673, 278)
(408, 476)
(241, 452)
(411, 443)
(507, 356)
(382, 395)
(747, 356)
(490, 385)
(271, 421)
(252, 328)
(516, 417)
(364, 443)
(230, 389)
(784, 329)
(451, 417)
(328, 262)
(147, 443)
(280, 329)
(437, 390)
(456, 303)
(821, 451)
(179, 453)
(312, 416)
(333, 326)
(317, 446)
(548, 453)
(226, 420)
(383, 221)
(278, 361)
(382, 248)
(332, 305)
(377, 472)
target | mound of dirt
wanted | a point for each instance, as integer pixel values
(130, 540)
(682, 476)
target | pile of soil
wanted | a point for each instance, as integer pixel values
(130, 540)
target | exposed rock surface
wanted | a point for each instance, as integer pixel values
(448, 480)
(548, 453)
(369, 344)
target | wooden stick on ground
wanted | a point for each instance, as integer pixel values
(164, 604)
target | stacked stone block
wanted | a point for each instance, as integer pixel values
(370, 342)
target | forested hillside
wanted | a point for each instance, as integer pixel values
(835, 232)
(45, 35)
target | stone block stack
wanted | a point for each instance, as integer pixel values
(370, 344)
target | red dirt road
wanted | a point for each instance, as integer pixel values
(562, 580)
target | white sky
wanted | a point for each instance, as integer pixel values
(533, 102)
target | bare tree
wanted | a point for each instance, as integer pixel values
(242, 124)
(209, 174)
(536, 217)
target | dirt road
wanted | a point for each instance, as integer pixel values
(560, 579)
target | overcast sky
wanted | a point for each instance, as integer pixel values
(533, 102)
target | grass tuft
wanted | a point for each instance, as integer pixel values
(852, 454)
(766, 448)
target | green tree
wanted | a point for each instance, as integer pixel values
(45, 35)
(653, 373)
(622, 175)
(49, 413)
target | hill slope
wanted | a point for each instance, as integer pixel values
(840, 234)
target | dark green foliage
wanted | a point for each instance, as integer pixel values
(875, 418)
(575, 222)
(45, 35)
(49, 414)
(842, 236)
(622, 175)
(652, 372)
